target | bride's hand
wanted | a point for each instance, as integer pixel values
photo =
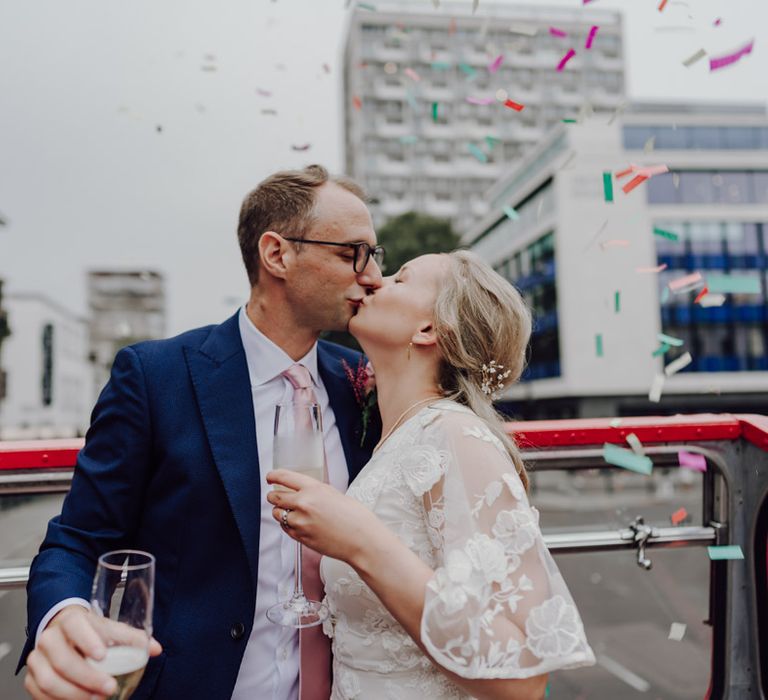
(320, 517)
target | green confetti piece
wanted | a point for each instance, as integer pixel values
(440, 65)
(733, 284)
(409, 140)
(435, 108)
(627, 459)
(665, 234)
(468, 70)
(366, 6)
(608, 187)
(511, 213)
(569, 121)
(661, 350)
(617, 301)
(492, 141)
(546, 691)
(670, 340)
(665, 294)
(725, 551)
(599, 344)
(477, 153)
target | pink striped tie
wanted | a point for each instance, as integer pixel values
(314, 646)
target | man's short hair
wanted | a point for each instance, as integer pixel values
(283, 203)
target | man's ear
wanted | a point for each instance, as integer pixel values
(425, 336)
(274, 252)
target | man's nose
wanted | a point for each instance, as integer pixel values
(371, 275)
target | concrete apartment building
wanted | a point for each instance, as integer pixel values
(589, 266)
(411, 136)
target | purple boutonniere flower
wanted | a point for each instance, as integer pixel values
(363, 383)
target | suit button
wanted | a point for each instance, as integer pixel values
(237, 631)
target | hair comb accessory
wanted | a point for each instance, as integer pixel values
(493, 379)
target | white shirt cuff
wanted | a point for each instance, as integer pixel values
(63, 604)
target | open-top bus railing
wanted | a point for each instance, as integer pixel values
(734, 511)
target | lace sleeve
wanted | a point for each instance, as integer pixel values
(497, 606)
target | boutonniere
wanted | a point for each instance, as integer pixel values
(363, 383)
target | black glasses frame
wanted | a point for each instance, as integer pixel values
(375, 252)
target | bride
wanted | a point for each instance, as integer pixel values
(437, 578)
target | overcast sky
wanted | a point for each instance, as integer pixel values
(87, 179)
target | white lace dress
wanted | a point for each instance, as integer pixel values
(497, 606)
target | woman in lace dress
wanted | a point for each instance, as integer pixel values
(437, 578)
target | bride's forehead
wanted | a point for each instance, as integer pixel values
(432, 265)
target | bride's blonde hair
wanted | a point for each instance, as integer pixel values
(479, 318)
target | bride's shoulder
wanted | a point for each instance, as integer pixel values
(450, 413)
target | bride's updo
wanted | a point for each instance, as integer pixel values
(480, 318)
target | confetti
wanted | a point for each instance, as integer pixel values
(492, 141)
(159, 128)
(669, 235)
(607, 187)
(366, 6)
(480, 100)
(412, 74)
(554, 31)
(733, 284)
(723, 61)
(591, 36)
(467, 70)
(357, 103)
(452, 26)
(477, 153)
(651, 170)
(688, 62)
(717, 22)
(627, 459)
(511, 213)
(263, 92)
(617, 301)
(496, 64)
(652, 270)
(657, 385)
(615, 422)
(676, 631)
(435, 109)
(625, 172)
(525, 29)
(670, 340)
(569, 121)
(687, 281)
(440, 65)
(662, 5)
(634, 182)
(326, 68)
(711, 300)
(725, 551)
(564, 60)
(270, 111)
(691, 460)
(665, 295)
(302, 147)
(676, 365)
(661, 350)
(599, 344)
(635, 444)
(649, 145)
(701, 295)
(679, 516)
(514, 105)
(615, 243)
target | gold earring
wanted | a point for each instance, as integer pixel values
(410, 345)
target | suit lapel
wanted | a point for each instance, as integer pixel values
(222, 386)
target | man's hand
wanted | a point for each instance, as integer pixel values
(57, 668)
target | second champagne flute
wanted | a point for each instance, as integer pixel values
(298, 447)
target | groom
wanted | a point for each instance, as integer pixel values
(175, 459)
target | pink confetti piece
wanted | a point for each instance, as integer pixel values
(651, 170)
(686, 281)
(480, 100)
(264, 93)
(717, 22)
(586, 2)
(634, 182)
(591, 36)
(554, 31)
(302, 147)
(615, 243)
(652, 270)
(571, 53)
(357, 103)
(496, 64)
(723, 61)
(412, 74)
(514, 105)
(691, 460)
(662, 5)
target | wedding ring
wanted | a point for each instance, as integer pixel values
(284, 517)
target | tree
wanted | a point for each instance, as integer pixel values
(412, 234)
(404, 238)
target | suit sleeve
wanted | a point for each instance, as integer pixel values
(103, 508)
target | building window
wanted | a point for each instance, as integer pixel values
(708, 187)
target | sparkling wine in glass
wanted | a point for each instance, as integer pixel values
(122, 598)
(298, 447)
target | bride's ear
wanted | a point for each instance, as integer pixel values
(425, 336)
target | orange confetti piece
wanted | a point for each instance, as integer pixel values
(357, 103)
(626, 172)
(701, 295)
(514, 105)
(662, 5)
(678, 516)
(634, 182)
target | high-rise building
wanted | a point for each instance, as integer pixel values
(426, 127)
(126, 307)
(607, 271)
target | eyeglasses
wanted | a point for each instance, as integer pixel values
(363, 251)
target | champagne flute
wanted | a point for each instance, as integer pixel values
(122, 598)
(298, 446)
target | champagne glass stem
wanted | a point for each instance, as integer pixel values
(298, 589)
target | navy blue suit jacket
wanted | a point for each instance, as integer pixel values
(170, 466)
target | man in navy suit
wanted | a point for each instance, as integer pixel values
(175, 458)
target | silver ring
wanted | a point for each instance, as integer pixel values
(284, 517)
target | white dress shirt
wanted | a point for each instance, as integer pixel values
(270, 665)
